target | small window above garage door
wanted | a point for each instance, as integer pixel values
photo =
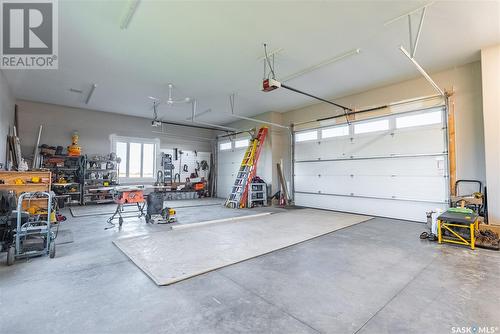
(373, 126)
(225, 146)
(426, 118)
(241, 143)
(337, 131)
(305, 136)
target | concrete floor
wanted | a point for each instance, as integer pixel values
(374, 277)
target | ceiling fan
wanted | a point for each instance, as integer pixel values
(170, 100)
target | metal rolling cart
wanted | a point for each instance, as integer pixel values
(32, 237)
(257, 194)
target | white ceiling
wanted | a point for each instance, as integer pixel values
(211, 49)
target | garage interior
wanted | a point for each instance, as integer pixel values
(250, 167)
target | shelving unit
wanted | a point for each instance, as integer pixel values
(8, 178)
(257, 194)
(99, 173)
(67, 174)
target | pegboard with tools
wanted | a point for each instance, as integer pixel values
(188, 163)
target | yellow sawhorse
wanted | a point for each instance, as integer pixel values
(448, 220)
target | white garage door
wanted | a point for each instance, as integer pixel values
(393, 166)
(229, 156)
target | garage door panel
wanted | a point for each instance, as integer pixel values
(228, 165)
(385, 144)
(421, 166)
(333, 149)
(420, 142)
(227, 169)
(417, 188)
(309, 150)
(414, 211)
(368, 146)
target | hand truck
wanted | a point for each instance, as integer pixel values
(32, 237)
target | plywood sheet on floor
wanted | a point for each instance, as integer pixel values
(172, 256)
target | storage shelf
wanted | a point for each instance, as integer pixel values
(8, 185)
(109, 175)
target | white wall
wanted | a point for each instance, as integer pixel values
(6, 116)
(95, 127)
(490, 60)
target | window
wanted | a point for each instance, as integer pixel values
(148, 160)
(225, 146)
(138, 156)
(241, 143)
(122, 153)
(373, 126)
(303, 136)
(337, 131)
(427, 118)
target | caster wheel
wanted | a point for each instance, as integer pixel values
(11, 252)
(52, 250)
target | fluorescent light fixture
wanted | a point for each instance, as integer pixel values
(130, 13)
(91, 92)
(222, 127)
(321, 64)
(257, 120)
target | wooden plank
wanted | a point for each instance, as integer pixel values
(10, 176)
(452, 158)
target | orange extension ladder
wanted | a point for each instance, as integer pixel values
(247, 171)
